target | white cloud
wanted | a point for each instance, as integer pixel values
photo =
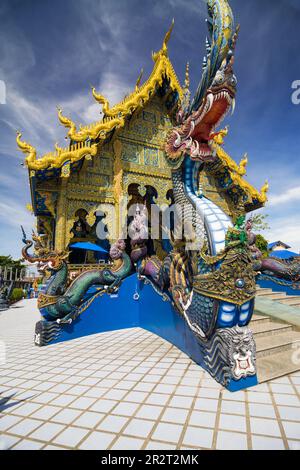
(30, 115)
(289, 196)
(15, 214)
(286, 229)
(113, 87)
(85, 110)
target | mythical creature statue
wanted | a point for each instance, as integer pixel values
(60, 303)
(138, 234)
(210, 275)
(285, 272)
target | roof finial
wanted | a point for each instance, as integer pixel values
(101, 100)
(164, 49)
(264, 191)
(26, 148)
(66, 122)
(167, 37)
(138, 82)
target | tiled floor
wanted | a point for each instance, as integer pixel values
(130, 390)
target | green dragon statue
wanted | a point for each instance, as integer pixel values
(60, 303)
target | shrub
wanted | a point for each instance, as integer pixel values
(17, 294)
(262, 245)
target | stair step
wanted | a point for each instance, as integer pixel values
(293, 297)
(272, 295)
(263, 289)
(291, 300)
(270, 329)
(260, 319)
(274, 344)
(275, 366)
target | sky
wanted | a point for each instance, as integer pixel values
(51, 52)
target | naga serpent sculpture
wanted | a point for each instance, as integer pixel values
(213, 284)
(210, 275)
(279, 271)
(60, 303)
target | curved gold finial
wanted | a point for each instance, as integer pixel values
(167, 37)
(264, 191)
(138, 82)
(219, 136)
(101, 100)
(58, 149)
(27, 149)
(164, 49)
(243, 164)
(66, 122)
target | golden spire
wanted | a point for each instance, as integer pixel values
(66, 122)
(167, 37)
(101, 100)
(164, 49)
(219, 136)
(264, 191)
(243, 164)
(27, 149)
(138, 82)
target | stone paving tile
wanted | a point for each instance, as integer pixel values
(139, 428)
(261, 411)
(89, 419)
(26, 444)
(166, 431)
(203, 419)
(175, 415)
(97, 441)
(66, 416)
(125, 443)
(131, 390)
(231, 441)
(47, 432)
(25, 427)
(71, 436)
(266, 443)
(198, 437)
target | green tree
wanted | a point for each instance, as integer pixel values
(262, 244)
(260, 222)
(8, 262)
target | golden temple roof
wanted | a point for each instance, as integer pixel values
(69, 155)
(114, 118)
(238, 171)
(83, 138)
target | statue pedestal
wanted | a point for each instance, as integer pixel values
(136, 304)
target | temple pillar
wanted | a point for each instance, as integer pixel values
(60, 232)
(118, 188)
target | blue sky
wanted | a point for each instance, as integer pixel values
(52, 51)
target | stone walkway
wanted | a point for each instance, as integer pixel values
(129, 390)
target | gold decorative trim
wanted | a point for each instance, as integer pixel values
(56, 159)
(115, 117)
(223, 284)
(238, 171)
(46, 300)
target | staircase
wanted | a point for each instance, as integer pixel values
(275, 344)
(282, 297)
